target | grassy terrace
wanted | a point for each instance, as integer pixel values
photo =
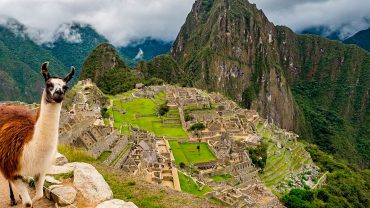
(142, 113)
(124, 150)
(188, 185)
(137, 190)
(188, 153)
(223, 177)
(279, 165)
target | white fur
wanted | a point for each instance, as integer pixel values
(39, 154)
(58, 84)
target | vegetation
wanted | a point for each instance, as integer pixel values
(75, 155)
(163, 67)
(163, 109)
(20, 62)
(345, 186)
(104, 156)
(197, 127)
(248, 96)
(142, 112)
(361, 39)
(223, 177)
(74, 54)
(118, 80)
(187, 153)
(142, 193)
(190, 186)
(258, 155)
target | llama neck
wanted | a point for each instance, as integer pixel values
(47, 124)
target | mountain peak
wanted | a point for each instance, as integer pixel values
(102, 59)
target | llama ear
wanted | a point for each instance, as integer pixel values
(44, 70)
(69, 76)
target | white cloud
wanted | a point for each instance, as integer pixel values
(120, 21)
(139, 55)
(123, 21)
(347, 16)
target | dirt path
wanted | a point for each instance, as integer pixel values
(5, 199)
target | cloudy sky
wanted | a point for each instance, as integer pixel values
(348, 16)
(122, 21)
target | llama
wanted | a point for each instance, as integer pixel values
(28, 143)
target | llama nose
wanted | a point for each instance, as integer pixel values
(59, 92)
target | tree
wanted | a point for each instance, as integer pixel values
(249, 94)
(163, 109)
(182, 165)
(188, 117)
(104, 113)
(198, 148)
(197, 126)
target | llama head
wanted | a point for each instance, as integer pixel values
(56, 87)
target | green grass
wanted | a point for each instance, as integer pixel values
(223, 177)
(188, 153)
(124, 150)
(188, 185)
(128, 188)
(104, 156)
(64, 175)
(75, 155)
(150, 122)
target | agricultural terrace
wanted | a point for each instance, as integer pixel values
(190, 186)
(188, 152)
(142, 113)
(281, 162)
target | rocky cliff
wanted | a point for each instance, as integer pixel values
(306, 83)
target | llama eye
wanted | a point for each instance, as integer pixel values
(49, 86)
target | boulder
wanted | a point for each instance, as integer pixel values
(56, 170)
(116, 203)
(52, 180)
(90, 183)
(47, 191)
(64, 195)
(60, 159)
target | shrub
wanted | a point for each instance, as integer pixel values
(163, 109)
(197, 126)
(259, 155)
(182, 165)
(188, 117)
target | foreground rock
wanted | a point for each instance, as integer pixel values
(90, 183)
(60, 159)
(116, 203)
(64, 195)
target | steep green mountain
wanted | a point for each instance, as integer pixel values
(74, 51)
(361, 39)
(162, 66)
(314, 86)
(20, 62)
(145, 49)
(104, 67)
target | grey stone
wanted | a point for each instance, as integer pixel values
(65, 195)
(90, 183)
(116, 203)
(60, 159)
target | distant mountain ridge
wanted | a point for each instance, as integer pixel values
(20, 56)
(20, 62)
(361, 39)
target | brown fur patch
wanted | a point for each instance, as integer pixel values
(17, 125)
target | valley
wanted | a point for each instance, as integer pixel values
(212, 162)
(235, 112)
